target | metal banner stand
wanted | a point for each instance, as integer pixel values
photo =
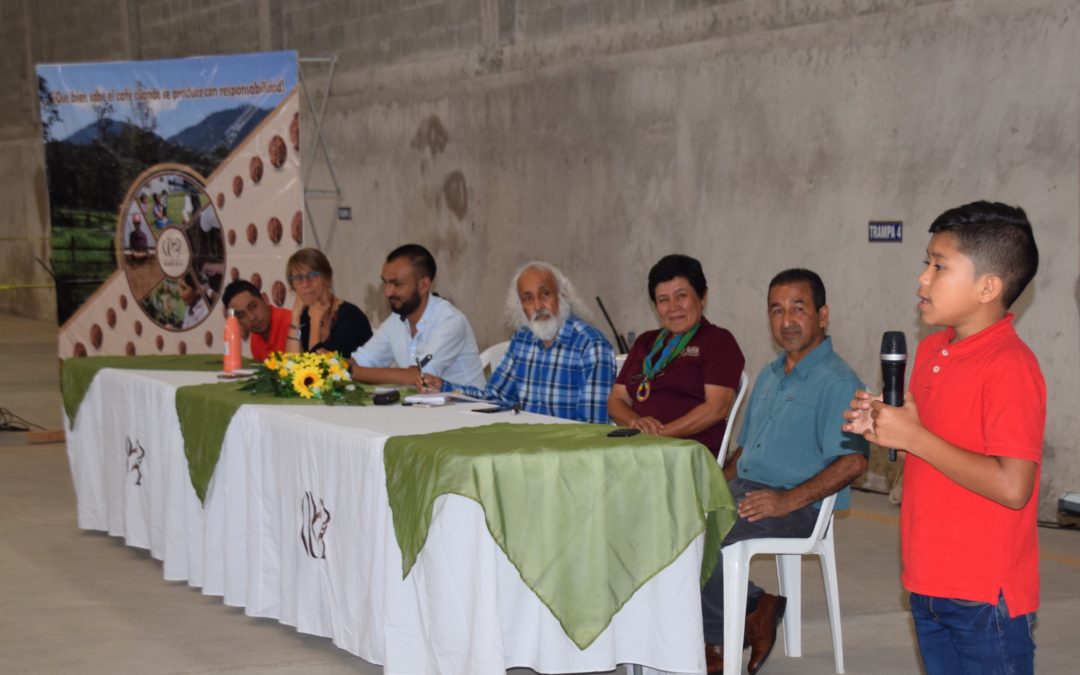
(320, 143)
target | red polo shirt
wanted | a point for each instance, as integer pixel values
(985, 394)
(711, 357)
(279, 333)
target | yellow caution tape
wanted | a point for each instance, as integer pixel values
(15, 287)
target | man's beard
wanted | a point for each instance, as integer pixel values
(408, 305)
(545, 326)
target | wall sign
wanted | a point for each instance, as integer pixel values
(886, 230)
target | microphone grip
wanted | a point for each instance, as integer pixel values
(891, 396)
(892, 389)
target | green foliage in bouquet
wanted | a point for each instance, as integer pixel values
(323, 377)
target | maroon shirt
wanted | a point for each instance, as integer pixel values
(711, 357)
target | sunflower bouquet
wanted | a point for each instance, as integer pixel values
(323, 377)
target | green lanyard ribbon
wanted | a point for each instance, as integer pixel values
(675, 346)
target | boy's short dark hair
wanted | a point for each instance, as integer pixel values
(797, 275)
(998, 239)
(236, 288)
(677, 265)
(420, 258)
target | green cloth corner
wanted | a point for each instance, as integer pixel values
(204, 411)
(586, 519)
(78, 373)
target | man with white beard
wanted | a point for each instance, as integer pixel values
(556, 363)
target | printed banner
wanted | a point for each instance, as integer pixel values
(167, 179)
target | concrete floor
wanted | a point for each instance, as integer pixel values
(83, 602)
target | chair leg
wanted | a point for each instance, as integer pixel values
(789, 573)
(832, 599)
(736, 578)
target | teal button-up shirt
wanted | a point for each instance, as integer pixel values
(791, 430)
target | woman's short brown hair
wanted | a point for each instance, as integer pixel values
(312, 259)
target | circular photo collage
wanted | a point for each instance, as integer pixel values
(172, 248)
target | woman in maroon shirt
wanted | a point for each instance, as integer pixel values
(680, 380)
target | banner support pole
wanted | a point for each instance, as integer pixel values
(320, 143)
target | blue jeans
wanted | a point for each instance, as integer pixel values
(961, 636)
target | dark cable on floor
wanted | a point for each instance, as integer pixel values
(10, 421)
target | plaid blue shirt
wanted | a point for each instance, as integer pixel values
(571, 379)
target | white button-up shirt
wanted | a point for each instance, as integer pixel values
(443, 331)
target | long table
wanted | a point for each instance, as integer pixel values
(296, 526)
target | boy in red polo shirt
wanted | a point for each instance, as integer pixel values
(972, 426)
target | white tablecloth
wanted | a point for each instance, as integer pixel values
(463, 609)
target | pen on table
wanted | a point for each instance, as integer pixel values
(420, 363)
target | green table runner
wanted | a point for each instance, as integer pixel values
(78, 373)
(586, 519)
(204, 411)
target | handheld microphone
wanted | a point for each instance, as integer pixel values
(893, 365)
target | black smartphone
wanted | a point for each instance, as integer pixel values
(623, 432)
(386, 397)
(493, 409)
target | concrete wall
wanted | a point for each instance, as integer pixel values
(602, 134)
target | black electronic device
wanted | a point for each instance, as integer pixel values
(623, 432)
(386, 397)
(893, 365)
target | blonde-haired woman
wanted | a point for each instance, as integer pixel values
(321, 321)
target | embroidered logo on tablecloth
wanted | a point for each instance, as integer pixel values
(135, 454)
(313, 528)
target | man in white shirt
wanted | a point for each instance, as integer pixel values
(422, 325)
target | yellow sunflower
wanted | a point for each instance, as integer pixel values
(307, 381)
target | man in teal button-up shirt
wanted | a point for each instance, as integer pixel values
(792, 453)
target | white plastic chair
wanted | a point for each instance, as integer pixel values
(492, 356)
(744, 384)
(620, 359)
(788, 554)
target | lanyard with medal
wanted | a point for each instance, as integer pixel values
(651, 369)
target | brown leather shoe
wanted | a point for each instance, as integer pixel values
(714, 659)
(761, 629)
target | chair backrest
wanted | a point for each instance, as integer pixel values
(490, 357)
(620, 359)
(824, 519)
(744, 384)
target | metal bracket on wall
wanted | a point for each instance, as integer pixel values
(320, 144)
